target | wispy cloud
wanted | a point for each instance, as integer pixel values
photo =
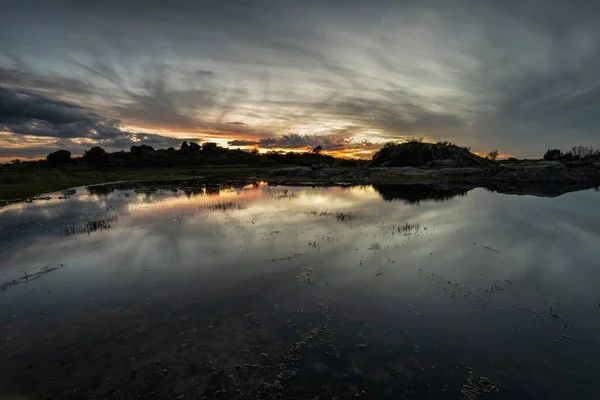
(513, 75)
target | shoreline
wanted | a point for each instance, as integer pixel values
(538, 178)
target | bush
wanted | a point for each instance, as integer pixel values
(582, 151)
(553, 155)
(492, 155)
(96, 155)
(59, 157)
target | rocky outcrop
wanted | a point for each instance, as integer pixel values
(539, 172)
(417, 154)
(541, 178)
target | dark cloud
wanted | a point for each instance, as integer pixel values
(235, 143)
(24, 112)
(30, 113)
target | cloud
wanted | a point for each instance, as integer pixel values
(333, 142)
(241, 142)
(513, 75)
(27, 114)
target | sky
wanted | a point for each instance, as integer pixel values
(517, 76)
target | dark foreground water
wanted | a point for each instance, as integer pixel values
(258, 292)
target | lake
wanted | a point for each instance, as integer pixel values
(251, 291)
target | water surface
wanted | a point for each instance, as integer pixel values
(252, 291)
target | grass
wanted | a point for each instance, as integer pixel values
(226, 206)
(88, 227)
(26, 181)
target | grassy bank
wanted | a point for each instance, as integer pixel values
(21, 182)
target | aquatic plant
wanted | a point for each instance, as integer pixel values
(88, 227)
(408, 228)
(225, 206)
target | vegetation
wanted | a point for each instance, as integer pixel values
(21, 180)
(96, 156)
(492, 155)
(59, 157)
(553, 155)
(577, 153)
(29, 179)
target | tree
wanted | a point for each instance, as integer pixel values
(59, 157)
(318, 149)
(553, 155)
(582, 151)
(254, 151)
(492, 155)
(96, 155)
(209, 147)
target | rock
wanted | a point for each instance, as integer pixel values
(417, 154)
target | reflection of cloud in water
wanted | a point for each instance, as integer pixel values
(427, 268)
(169, 228)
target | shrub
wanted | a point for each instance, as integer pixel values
(492, 155)
(553, 155)
(59, 157)
(96, 155)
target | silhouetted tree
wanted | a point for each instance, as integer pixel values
(318, 150)
(582, 151)
(194, 147)
(492, 155)
(254, 151)
(59, 157)
(143, 148)
(96, 155)
(185, 146)
(553, 155)
(209, 147)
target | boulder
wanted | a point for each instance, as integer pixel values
(418, 154)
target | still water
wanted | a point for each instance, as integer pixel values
(250, 291)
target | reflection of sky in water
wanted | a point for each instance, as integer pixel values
(480, 266)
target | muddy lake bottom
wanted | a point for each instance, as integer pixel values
(251, 291)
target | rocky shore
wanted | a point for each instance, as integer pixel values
(543, 178)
